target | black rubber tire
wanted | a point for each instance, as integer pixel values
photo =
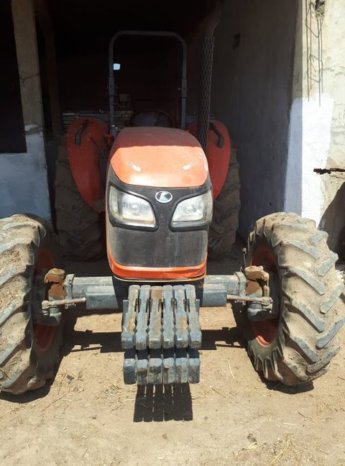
(23, 366)
(80, 228)
(311, 300)
(341, 245)
(226, 210)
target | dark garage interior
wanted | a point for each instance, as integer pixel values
(252, 75)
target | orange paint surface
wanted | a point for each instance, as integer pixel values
(158, 157)
(218, 158)
(84, 159)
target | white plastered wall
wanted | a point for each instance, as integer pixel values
(317, 118)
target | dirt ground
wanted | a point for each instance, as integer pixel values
(89, 417)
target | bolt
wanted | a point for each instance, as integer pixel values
(54, 276)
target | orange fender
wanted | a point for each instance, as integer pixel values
(87, 144)
(218, 153)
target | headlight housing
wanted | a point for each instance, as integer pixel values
(193, 211)
(130, 210)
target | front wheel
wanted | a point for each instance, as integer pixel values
(29, 351)
(297, 346)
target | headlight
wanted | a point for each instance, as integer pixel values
(195, 210)
(130, 210)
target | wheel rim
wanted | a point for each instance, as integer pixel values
(44, 337)
(265, 331)
(43, 334)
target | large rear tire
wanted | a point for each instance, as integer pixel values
(226, 209)
(29, 352)
(79, 226)
(296, 347)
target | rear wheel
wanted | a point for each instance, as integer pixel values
(226, 209)
(297, 346)
(79, 226)
(29, 352)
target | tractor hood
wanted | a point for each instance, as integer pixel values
(158, 157)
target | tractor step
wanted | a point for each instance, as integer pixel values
(161, 335)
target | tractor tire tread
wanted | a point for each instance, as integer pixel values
(78, 225)
(226, 208)
(20, 369)
(311, 301)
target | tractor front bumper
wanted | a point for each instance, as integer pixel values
(161, 334)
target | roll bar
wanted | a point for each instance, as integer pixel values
(112, 87)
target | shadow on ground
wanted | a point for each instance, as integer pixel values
(163, 403)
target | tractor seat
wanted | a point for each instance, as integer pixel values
(152, 118)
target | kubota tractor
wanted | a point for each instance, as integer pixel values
(158, 210)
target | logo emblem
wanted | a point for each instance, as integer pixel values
(163, 197)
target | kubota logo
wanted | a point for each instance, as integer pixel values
(163, 197)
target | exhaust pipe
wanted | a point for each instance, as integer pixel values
(206, 65)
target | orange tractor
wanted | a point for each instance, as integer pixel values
(163, 190)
